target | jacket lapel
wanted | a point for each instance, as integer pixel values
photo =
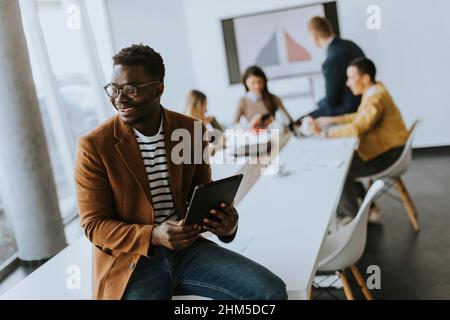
(175, 171)
(128, 149)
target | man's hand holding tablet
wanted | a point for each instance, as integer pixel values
(225, 223)
(174, 235)
(211, 206)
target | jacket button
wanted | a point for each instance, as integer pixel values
(132, 265)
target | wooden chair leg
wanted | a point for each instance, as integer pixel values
(310, 293)
(407, 202)
(347, 290)
(362, 284)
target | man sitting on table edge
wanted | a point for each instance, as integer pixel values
(132, 198)
(378, 124)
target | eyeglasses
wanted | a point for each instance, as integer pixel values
(129, 90)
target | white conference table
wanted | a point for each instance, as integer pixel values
(283, 220)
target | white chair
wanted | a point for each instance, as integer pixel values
(344, 247)
(396, 171)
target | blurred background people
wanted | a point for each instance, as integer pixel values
(380, 127)
(339, 53)
(258, 106)
(196, 106)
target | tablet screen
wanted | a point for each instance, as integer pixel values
(209, 196)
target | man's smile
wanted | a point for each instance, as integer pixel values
(124, 109)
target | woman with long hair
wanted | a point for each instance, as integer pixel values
(196, 106)
(258, 106)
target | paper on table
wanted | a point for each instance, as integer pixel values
(313, 144)
(326, 164)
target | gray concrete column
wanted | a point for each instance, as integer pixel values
(28, 186)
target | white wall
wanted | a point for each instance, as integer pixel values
(411, 52)
(203, 19)
(161, 25)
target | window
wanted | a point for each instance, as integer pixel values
(71, 104)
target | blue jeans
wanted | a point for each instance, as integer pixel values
(204, 269)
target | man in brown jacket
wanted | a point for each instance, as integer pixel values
(378, 124)
(132, 198)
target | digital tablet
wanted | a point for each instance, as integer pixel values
(209, 196)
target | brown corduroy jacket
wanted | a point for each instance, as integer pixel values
(114, 197)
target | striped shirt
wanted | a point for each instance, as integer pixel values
(153, 153)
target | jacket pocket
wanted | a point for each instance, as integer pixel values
(102, 263)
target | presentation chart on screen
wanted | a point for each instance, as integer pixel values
(277, 41)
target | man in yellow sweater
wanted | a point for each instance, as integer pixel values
(379, 126)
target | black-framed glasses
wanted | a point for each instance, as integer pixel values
(129, 90)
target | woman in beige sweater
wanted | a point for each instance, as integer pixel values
(258, 106)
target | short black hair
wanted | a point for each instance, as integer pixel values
(365, 66)
(140, 54)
